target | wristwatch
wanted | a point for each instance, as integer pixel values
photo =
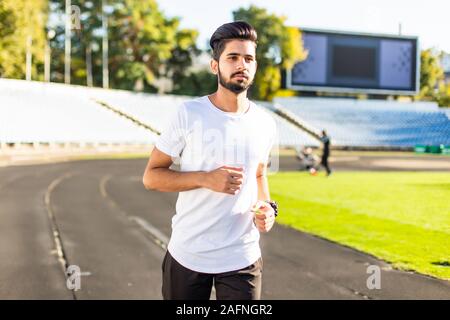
(274, 206)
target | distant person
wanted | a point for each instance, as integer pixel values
(326, 151)
(223, 141)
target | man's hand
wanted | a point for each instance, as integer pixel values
(264, 216)
(225, 179)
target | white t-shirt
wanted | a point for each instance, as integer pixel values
(213, 232)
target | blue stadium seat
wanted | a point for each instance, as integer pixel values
(372, 123)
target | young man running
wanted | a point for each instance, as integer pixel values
(222, 142)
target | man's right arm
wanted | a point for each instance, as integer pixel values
(159, 177)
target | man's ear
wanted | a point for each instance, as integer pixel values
(214, 64)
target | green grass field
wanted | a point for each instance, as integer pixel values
(400, 217)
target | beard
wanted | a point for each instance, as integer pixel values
(233, 85)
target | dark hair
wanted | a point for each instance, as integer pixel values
(230, 31)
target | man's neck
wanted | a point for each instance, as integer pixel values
(228, 101)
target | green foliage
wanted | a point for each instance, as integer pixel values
(141, 39)
(20, 19)
(430, 74)
(186, 81)
(196, 83)
(144, 44)
(432, 85)
(86, 36)
(443, 98)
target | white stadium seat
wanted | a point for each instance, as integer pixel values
(33, 112)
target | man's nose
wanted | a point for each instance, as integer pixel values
(241, 64)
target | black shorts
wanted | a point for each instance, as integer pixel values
(181, 283)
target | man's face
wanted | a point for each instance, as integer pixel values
(237, 65)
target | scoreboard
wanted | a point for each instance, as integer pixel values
(356, 63)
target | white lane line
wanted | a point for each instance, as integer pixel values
(159, 238)
(56, 234)
(103, 182)
(162, 239)
(62, 257)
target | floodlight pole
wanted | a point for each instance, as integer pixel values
(105, 47)
(67, 42)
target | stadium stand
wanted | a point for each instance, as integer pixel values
(289, 135)
(152, 109)
(371, 123)
(36, 112)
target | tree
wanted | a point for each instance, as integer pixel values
(198, 83)
(430, 74)
(85, 41)
(145, 45)
(444, 94)
(279, 47)
(432, 86)
(178, 65)
(19, 20)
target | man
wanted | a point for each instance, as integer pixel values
(326, 151)
(222, 142)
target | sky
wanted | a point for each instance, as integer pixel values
(429, 20)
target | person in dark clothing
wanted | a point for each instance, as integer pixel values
(326, 151)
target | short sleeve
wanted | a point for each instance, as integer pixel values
(172, 139)
(271, 140)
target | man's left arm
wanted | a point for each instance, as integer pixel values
(264, 213)
(263, 185)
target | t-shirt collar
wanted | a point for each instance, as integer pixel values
(228, 114)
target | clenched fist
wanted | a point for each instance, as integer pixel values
(264, 216)
(225, 179)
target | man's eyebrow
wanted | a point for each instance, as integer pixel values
(238, 54)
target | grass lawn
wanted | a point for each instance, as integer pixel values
(400, 217)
